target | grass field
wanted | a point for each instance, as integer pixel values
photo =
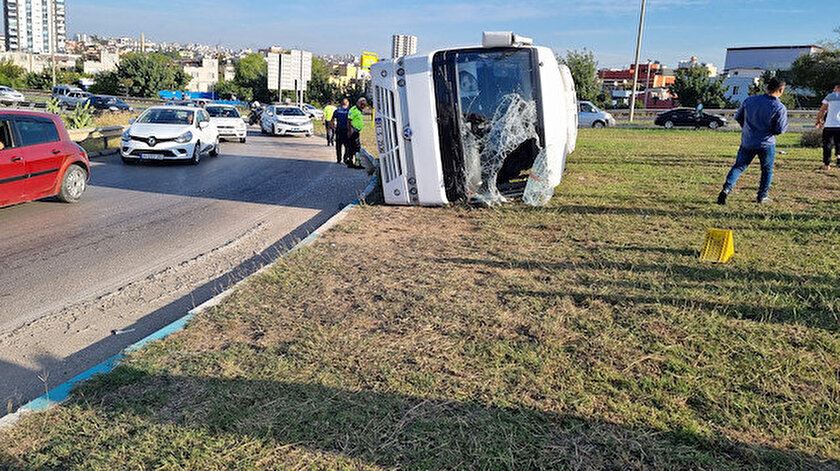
(583, 335)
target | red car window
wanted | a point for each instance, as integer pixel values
(6, 141)
(34, 131)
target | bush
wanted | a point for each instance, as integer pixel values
(81, 117)
(53, 106)
(812, 138)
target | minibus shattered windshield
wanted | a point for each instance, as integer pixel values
(496, 119)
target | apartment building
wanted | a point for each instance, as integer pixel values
(204, 73)
(403, 45)
(37, 26)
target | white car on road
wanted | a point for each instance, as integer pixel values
(170, 133)
(228, 122)
(313, 112)
(10, 95)
(282, 120)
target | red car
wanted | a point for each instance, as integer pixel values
(38, 159)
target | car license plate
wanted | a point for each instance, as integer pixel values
(151, 156)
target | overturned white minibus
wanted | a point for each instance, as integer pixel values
(476, 124)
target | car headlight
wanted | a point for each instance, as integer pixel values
(126, 136)
(184, 138)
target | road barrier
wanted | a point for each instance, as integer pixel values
(88, 138)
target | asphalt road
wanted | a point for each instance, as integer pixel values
(146, 244)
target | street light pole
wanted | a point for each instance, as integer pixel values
(647, 84)
(636, 63)
(53, 38)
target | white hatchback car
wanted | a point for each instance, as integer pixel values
(10, 95)
(228, 122)
(313, 112)
(282, 120)
(170, 133)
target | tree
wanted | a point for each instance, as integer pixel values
(44, 81)
(142, 75)
(11, 75)
(818, 72)
(320, 90)
(108, 83)
(228, 89)
(584, 70)
(251, 80)
(693, 86)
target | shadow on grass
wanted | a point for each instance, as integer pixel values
(811, 291)
(159, 414)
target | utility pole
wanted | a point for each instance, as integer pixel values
(636, 62)
(53, 38)
(647, 84)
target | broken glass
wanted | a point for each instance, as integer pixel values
(498, 121)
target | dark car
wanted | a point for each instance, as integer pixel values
(108, 103)
(687, 117)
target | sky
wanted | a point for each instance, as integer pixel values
(675, 29)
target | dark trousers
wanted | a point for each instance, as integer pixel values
(831, 141)
(330, 133)
(354, 147)
(342, 144)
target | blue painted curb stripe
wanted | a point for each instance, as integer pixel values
(61, 393)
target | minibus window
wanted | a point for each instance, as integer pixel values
(488, 109)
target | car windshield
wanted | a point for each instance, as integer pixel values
(289, 111)
(166, 116)
(222, 112)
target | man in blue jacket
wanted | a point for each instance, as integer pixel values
(762, 118)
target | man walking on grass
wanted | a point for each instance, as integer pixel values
(762, 118)
(829, 120)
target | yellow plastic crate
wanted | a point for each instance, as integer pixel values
(719, 246)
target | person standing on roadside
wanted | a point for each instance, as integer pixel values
(341, 125)
(357, 124)
(762, 118)
(329, 128)
(829, 120)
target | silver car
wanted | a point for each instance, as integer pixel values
(11, 96)
(590, 116)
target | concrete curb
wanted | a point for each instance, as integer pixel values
(61, 393)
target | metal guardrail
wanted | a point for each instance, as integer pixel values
(25, 104)
(728, 113)
(104, 133)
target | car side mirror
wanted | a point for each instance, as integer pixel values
(203, 124)
(132, 121)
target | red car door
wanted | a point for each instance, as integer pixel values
(43, 154)
(12, 169)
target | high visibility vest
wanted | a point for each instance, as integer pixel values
(329, 110)
(357, 120)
